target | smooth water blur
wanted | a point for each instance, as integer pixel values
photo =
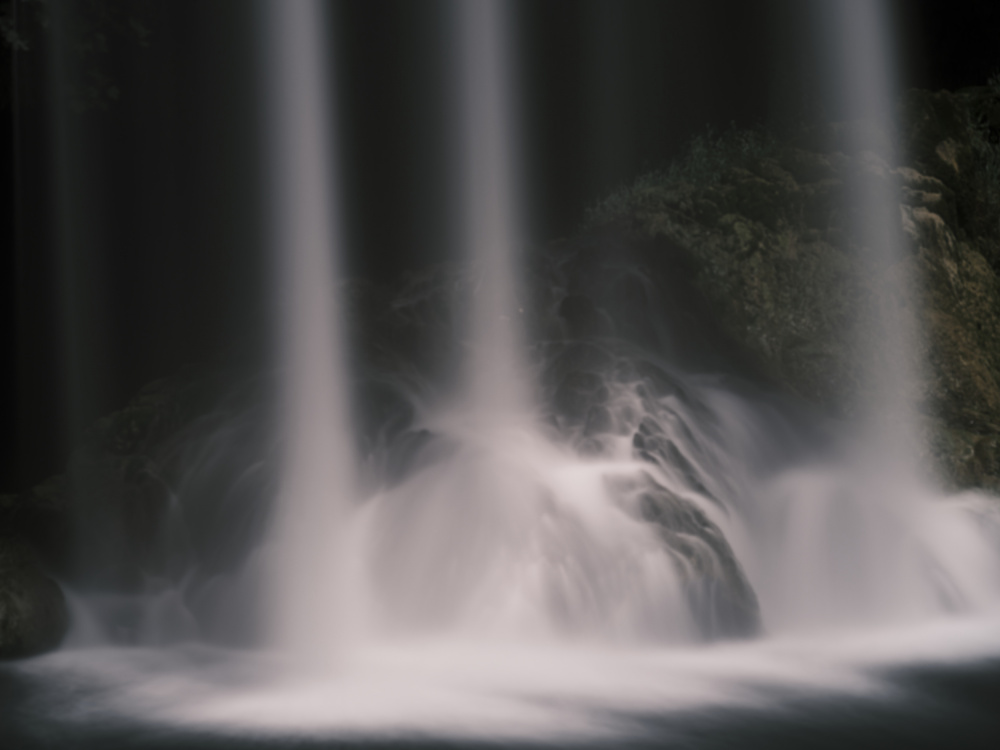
(583, 544)
(863, 78)
(496, 385)
(509, 535)
(832, 550)
(919, 686)
(534, 534)
(303, 554)
(623, 502)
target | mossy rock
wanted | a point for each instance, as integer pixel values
(777, 247)
(33, 613)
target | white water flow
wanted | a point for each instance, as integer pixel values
(509, 534)
(305, 552)
(497, 388)
(647, 522)
(549, 557)
(860, 534)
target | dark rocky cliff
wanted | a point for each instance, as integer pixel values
(762, 226)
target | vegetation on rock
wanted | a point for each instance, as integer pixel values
(764, 226)
(33, 614)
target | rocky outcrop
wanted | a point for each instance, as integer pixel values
(102, 520)
(603, 393)
(114, 520)
(721, 599)
(767, 237)
(33, 613)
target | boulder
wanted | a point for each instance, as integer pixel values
(33, 613)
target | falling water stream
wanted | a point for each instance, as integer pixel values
(316, 494)
(629, 565)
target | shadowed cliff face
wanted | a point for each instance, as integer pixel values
(764, 230)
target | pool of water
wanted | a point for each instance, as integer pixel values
(936, 685)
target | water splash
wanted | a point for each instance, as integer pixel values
(632, 515)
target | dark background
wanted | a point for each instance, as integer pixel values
(132, 181)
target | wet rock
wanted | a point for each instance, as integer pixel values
(42, 517)
(722, 601)
(33, 614)
(582, 318)
(651, 444)
(119, 505)
(577, 356)
(578, 392)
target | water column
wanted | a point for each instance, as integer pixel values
(452, 546)
(495, 377)
(864, 89)
(305, 570)
(861, 539)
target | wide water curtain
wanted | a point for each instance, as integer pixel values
(317, 485)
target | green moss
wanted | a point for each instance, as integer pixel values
(706, 161)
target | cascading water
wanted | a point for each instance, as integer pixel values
(510, 532)
(536, 555)
(608, 528)
(862, 539)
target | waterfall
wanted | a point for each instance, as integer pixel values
(577, 485)
(316, 493)
(862, 50)
(644, 517)
(500, 529)
(859, 544)
(496, 382)
(541, 554)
